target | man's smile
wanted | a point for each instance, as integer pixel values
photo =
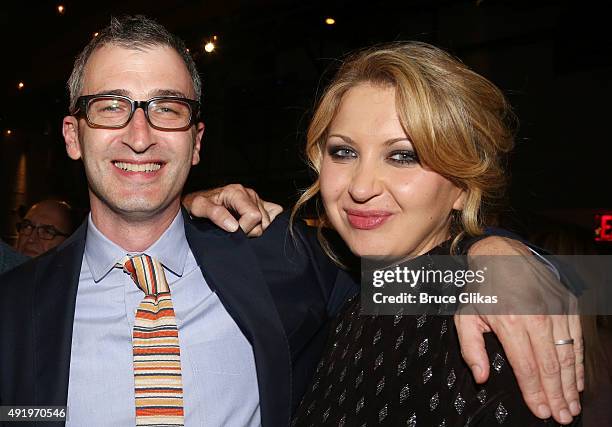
(146, 168)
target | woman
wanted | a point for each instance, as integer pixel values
(409, 147)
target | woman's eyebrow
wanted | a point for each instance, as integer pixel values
(388, 142)
(345, 138)
(394, 140)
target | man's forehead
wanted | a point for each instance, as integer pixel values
(152, 71)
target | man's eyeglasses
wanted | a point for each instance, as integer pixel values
(115, 111)
(45, 231)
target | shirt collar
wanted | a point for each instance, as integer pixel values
(170, 249)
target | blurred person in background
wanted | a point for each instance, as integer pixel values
(45, 225)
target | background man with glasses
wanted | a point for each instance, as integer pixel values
(45, 225)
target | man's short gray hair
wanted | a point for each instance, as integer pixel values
(135, 32)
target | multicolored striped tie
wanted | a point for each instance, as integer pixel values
(157, 358)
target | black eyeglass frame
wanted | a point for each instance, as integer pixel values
(35, 228)
(83, 102)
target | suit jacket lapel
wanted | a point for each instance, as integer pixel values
(56, 285)
(231, 270)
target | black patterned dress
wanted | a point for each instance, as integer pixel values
(408, 371)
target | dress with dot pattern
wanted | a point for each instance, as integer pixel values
(408, 371)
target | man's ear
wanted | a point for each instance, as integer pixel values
(460, 201)
(70, 130)
(195, 159)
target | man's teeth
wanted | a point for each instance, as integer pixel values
(140, 167)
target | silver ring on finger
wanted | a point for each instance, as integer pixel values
(563, 342)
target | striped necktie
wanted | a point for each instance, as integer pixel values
(157, 358)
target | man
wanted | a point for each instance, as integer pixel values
(250, 315)
(45, 225)
(248, 311)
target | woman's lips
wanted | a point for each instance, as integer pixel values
(367, 220)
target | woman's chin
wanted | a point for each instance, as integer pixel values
(361, 249)
(381, 250)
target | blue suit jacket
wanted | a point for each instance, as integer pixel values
(280, 291)
(9, 258)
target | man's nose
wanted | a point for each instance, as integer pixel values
(139, 136)
(33, 235)
(366, 183)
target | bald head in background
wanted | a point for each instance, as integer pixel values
(46, 224)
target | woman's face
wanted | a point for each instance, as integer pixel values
(376, 194)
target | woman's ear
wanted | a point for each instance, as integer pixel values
(460, 201)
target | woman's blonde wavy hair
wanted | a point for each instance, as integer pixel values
(460, 125)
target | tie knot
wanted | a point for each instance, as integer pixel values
(147, 273)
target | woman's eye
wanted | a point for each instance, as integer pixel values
(404, 157)
(342, 152)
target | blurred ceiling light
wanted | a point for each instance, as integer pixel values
(96, 34)
(215, 38)
(20, 85)
(8, 132)
(60, 9)
(209, 47)
(330, 21)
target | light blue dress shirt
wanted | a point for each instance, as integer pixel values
(217, 362)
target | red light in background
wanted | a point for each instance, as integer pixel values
(603, 230)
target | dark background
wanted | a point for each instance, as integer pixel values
(553, 59)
